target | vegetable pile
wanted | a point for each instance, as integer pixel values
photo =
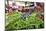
(15, 21)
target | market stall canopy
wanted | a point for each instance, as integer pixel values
(24, 3)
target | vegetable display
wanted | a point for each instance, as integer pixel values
(15, 22)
